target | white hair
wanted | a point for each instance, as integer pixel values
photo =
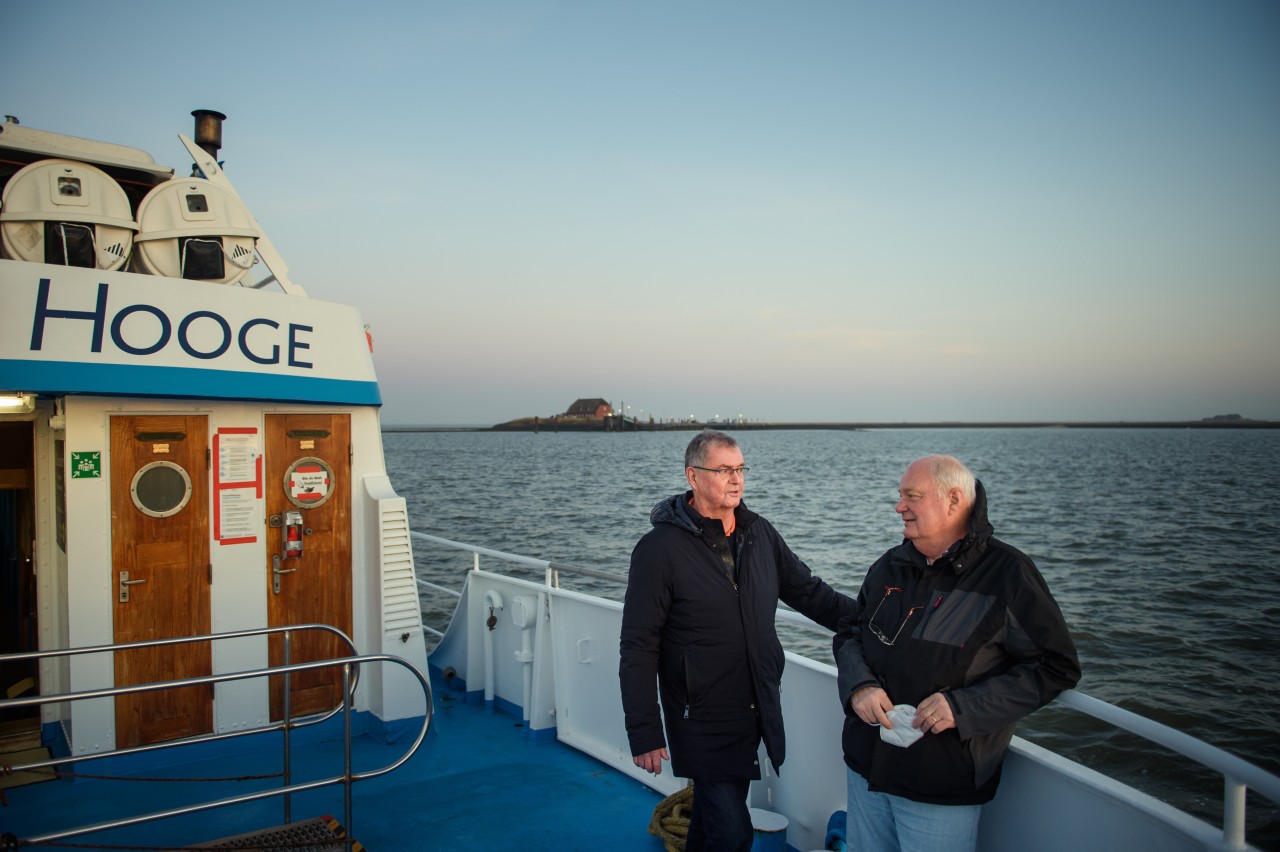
(948, 472)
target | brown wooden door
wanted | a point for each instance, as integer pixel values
(308, 470)
(160, 538)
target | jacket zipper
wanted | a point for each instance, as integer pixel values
(688, 688)
(930, 610)
(737, 593)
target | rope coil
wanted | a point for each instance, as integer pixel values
(671, 819)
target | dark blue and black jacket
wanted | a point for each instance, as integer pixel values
(978, 625)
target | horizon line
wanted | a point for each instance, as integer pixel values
(749, 425)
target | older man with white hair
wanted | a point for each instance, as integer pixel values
(955, 637)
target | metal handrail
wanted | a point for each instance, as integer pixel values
(188, 640)
(436, 587)
(1238, 775)
(287, 724)
(347, 778)
(550, 568)
(178, 640)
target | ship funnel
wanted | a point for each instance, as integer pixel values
(209, 130)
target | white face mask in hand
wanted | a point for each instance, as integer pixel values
(902, 734)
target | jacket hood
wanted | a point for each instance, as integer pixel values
(676, 510)
(979, 526)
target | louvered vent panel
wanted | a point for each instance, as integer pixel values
(400, 607)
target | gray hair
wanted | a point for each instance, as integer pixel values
(949, 472)
(695, 455)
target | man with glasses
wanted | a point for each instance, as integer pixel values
(698, 635)
(955, 637)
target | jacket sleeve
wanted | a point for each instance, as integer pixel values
(644, 612)
(1041, 657)
(852, 671)
(805, 592)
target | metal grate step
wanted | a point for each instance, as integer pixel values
(322, 834)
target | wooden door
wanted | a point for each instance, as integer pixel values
(307, 463)
(160, 540)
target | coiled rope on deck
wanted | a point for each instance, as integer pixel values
(671, 819)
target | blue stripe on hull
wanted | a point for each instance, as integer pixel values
(124, 380)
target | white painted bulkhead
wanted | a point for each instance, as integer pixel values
(76, 589)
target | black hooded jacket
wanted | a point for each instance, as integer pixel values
(986, 633)
(707, 639)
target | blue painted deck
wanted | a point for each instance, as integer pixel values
(477, 782)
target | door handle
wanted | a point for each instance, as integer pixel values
(125, 583)
(276, 571)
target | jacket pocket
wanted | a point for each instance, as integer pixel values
(955, 617)
(690, 690)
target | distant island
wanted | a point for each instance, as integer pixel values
(598, 415)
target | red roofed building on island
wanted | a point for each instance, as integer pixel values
(589, 409)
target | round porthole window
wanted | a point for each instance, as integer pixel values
(160, 489)
(309, 482)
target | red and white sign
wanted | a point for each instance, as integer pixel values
(309, 482)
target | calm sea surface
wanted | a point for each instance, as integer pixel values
(1162, 547)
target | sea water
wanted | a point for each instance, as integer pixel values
(1162, 546)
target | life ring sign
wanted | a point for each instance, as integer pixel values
(308, 482)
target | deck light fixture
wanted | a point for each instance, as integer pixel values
(17, 402)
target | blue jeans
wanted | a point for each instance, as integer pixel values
(879, 822)
(720, 821)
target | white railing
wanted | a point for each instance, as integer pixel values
(1239, 776)
(551, 570)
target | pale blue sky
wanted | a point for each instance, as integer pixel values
(791, 211)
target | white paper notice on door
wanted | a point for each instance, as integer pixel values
(237, 485)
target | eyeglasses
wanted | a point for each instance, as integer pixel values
(871, 622)
(726, 472)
